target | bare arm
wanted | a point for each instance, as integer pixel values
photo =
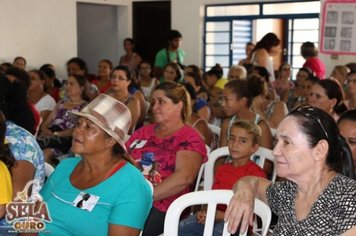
(350, 232)
(134, 107)
(2, 210)
(279, 112)
(187, 166)
(21, 174)
(240, 207)
(44, 127)
(122, 230)
(223, 132)
(261, 57)
(266, 140)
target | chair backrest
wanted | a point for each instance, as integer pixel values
(210, 164)
(48, 169)
(211, 198)
(263, 154)
(216, 131)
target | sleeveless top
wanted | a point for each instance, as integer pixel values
(269, 66)
(146, 90)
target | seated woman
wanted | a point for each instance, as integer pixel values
(297, 95)
(171, 73)
(196, 80)
(56, 131)
(43, 102)
(351, 88)
(283, 85)
(29, 163)
(101, 188)
(270, 110)
(145, 80)
(178, 150)
(317, 198)
(120, 82)
(347, 127)
(102, 80)
(327, 95)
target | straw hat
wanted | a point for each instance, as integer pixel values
(109, 114)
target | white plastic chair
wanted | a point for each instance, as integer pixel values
(265, 154)
(211, 198)
(48, 169)
(216, 131)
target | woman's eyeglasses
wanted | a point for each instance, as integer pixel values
(310, 112)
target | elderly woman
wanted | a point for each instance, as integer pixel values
(178, 150)
(101, 188)
(316, 199)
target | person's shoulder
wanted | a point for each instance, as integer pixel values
(255, 169)
(345, 184)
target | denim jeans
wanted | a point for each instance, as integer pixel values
(190, 227)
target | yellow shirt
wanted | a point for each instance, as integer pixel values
(5, 184)
(221, 83)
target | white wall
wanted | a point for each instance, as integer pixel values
(45, 31)
(188, 17)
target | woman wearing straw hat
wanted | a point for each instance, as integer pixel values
(117, 198)
(178, 149)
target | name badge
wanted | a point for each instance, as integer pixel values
(85, 201)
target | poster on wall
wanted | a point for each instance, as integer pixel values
(338, 27)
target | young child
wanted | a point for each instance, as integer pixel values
(243, 141)
(6, 162)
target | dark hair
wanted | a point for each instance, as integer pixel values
(250, 44)
(117, 150)
(20, 58)
(348, 115)
(256, 85)
(173, 34)
(80, 62)
(262, 71)
(48, 71)
(313, 79)
(125, 69)
(308, 49)
(196, 77)
(14, 104)
(267, 42)
(306, 70)
(83, 82)
(177, 92)
(108, 62)
(20, 75)
(318, 125)
(40, 74)
(244, 89)
(191, 91)
(332, 90)
(129, 40)
(216, 70)
(5, 152)
(351, 65)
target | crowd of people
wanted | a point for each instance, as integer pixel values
(128, 141)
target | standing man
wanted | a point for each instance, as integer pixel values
(172, 53)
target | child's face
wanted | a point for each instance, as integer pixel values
(241, 144)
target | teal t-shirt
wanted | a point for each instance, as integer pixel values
(161, 57)
(124, 199)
